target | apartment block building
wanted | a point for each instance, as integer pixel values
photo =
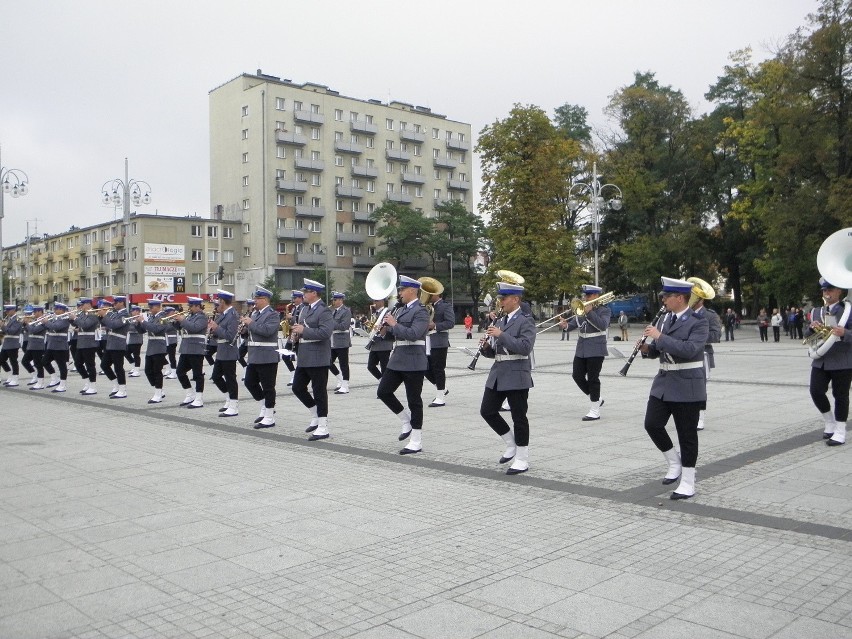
(302, 167)
(161, 256)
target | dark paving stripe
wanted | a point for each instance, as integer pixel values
(651, 494)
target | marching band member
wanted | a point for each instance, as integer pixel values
(679, 388)
(262, 369)
(56, 346)
(297, 301)
(381, 347)
(407, 364)
(511, 341)
(313, 335)
(155, 353)
(193, 343)
(243, 350)
(341, 342)
(72, 341)
(135, 337)
(12, 329)
(591, 349)
(835, 365)
(35, 346)
(27, 357)
(223, 329)
(439, 344)
(714, 336)
(171, 344)
(212, 346)
(86, 324)
(116, 344)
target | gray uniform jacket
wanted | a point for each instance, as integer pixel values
(194, 340)
(683, 343)
(517, 339)
(341, 337)
(409, 351)
(263, 337)
(381, 343)
(135, 334)
(12, 329)
(86, 335)
(224, 335)
(36, 334)
(445, 319)
(315, 342)
(593, 324)
(57, 334)
(839, 356)
(156, 332)
(715, 332)
(117, 338)
(171, 334)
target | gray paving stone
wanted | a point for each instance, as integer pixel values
(572, 574)
(53, 620)
(639, 591)
(737, 617)
(589, 614)
(678, 629)
(447, 619)
(210, 575)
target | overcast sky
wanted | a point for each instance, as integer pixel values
(85, 83)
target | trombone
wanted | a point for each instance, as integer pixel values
(578, 308)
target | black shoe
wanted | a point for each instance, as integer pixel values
(259, 426)
(515, 471)
(152, 401)
(408, 451)
(434, 405)
(586, 418)
(311, 429)
(827, 435)
(667, 481)
(258, 419)
(676, 496)
(404, 436)
(832, 442)
(314, 438)
(503, 460)
(223, 409)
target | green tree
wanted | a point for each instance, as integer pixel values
(461, 234)
(571, 120)
(402, 230)
(270, 285)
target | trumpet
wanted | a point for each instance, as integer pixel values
(173, 316)
(578, 308)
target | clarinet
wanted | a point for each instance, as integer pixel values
(483, 342)
(642, 340)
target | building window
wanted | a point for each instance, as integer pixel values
(338, 136)
(462, 158)
(315, 108)
(282, 248)
(315, 133)
(195, 230)
(279, 104)
(316, 202)
(196, 255)
(339, 227)
(436, 134)
(338, 205)
(299, 200)
(133, 231)
(245, 134)
(371, 251)
(245, 206)
(356, 228)
(340, 250)
(403, 125)
(228, 257)
(389, 144)
(338, 160)
(315, 179)
(280, 200)
(245, 158)
(390, 187)
(338, 180)
(389, 124)
(356, 206)
(371, 230)
(245, 110)
(370, 143)
(371, 186)
(416, 149)
(298, 130)
(354, 139)
(371, 207)
(437, 174)
(212, 231)
(197, 279)
(228, 232)
(389, 167)
(418, 191)
(245, 182)
(246, 228)
(356, 250)
(338, 115)
(297, 105)
(246, 251)
(315, 155)
(437, 194)
(436, 153)
(212, 256)
(280, 126)
(280, 152)
(315, 226)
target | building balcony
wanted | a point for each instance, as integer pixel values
(458, 185)
(308, 117)
(363, 260)
(399, 198)
(348, 147)
(413, 178)
(286, 137)
(292, 186)
(395, 155)
(97, 245)
(310, 165)
(349, 191)
(444, 163)
(365, 171)
(292, 234)
(411, 136)
(362, 126)
(63, 254)
(310, 258)
(458, 145)
(351, 238)
(361, 216)
(310, 211)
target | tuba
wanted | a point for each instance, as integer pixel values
(511, 277)
(429, 286)
(834, 263)
(380, 284)
(701, 290)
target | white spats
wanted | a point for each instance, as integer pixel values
(521, 463)
(190, 397)
(405, 418)
(231, 410)
(197, 401)
(268, 418)
(415, 443)
(157, 397)
(686, 488)
(839, 436)
(321, 431)
(511, 449)
(91, 390)
(594, 413)
(674, 469)
(439, 400)
(701, 419)
(12, 381)
(828, 430)
(121, 393)
(343, 389)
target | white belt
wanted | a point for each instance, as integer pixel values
(598, 334)
(57, 332)
(273, 344)
(665, 366)
(195, 336)
(307, 341)
(508, 358)
(223, 341)
(36, 337)
(419, 342)
(346, 331)
(156, 338)
(5, 337)
(87, 333)
(433, 331)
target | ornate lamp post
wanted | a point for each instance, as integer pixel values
(590, 195)
(14, 182)
(119, 192)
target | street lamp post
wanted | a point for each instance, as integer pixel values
(119, 192)
(592, 193)
(452, 288)
(14, 182)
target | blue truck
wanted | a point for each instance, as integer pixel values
(636, 308)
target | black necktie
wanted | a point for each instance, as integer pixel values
(669, 322)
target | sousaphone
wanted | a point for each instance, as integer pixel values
(701, 290)
(379, 285)
(834, 263)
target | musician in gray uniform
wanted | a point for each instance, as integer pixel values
(193, 344)
(714, 325)
(36, 334)
(297, 300)
(341, 341)
(407, 365)
(116, 345)
(155, 354)
(380, 347)
(262, 369)
(135, 339)
(243, 331)
(56, 346)
(592, 328)
(223, 329)
(438, 339)
(510, 343)
(835, 365)
(12, 329)
(86, 322)
(680, 388)
(312, 333)
(171, 345)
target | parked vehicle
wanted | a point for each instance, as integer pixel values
(636, 308)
